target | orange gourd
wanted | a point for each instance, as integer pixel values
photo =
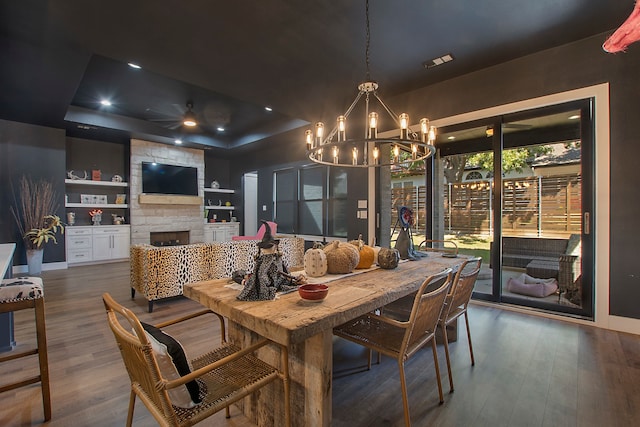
(366, 253)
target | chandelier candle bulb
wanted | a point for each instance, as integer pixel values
(376, 155)
(308, 136)
(404, 126)
(335, 155)
(424, 129)
(355, 156)
(396, 153)
(319, 154)
(319, 133)
(432, 134)
(342, 131)
(414, 151)
(373, 125)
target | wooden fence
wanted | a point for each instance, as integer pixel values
(535, 206)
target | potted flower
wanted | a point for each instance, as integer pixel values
(33, 212)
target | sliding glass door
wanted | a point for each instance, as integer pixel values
(518, 190)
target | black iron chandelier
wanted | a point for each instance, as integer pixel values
(335, 149)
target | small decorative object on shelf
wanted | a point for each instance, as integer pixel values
(71, 218)
(96, 175)
(215, 184)
(117, 220)
(96, 216)
(116, 178)
(72, 175)
(121, 199)
(227, 204)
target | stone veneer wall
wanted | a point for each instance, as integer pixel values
(145, 218)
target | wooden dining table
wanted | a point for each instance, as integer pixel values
(306, 329)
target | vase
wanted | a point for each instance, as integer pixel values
(34, 261)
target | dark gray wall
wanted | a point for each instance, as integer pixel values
(38, 152)
(569, 67)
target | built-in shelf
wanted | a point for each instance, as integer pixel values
(222, 208)
(96, 183)
(96, 205)
(219, 190)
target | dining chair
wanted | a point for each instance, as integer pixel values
(219, 378)
(402, 339)
(456, 305)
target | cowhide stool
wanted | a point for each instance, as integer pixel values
(21, 293)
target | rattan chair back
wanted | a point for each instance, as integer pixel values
(425, 313)
(227, 372)
(462, 287)
(138, 359)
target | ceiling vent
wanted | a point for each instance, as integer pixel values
(438, 61)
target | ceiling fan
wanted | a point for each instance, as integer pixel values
(174, 120)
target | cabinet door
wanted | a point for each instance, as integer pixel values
(102, 244)
(120, 245)
(208, 235)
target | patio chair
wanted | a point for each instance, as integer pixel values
(456, 305)
(403, 339)
(220, 377)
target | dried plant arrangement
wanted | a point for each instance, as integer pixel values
(34, 210)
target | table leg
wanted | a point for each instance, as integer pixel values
(310, 370)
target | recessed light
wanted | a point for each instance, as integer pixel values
(105, 102)
(178, 141)
(220, 129)
(132, 65)
(574, 117)
(268, 109)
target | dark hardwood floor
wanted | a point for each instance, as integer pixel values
(530, 371)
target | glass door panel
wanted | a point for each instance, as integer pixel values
(467, 195)
(542, 211)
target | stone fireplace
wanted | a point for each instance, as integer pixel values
(169, 215)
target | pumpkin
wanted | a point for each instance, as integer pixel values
(315, 261)
(388, 258)
(365, 251)
(342, 257)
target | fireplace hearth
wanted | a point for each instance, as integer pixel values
(169, 238)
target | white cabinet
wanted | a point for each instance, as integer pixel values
(79, 244)
(221, 231)
(97, 243)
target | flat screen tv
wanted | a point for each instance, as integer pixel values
(158, 178)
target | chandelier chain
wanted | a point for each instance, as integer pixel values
(368, 40)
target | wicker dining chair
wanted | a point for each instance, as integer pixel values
(225, 375)
(456, 305)
(401, 340)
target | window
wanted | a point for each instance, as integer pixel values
(472, 176)
(285, 187)
(311, 201)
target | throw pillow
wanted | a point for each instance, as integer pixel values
(173, 364)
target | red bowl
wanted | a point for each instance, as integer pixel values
(313, 292)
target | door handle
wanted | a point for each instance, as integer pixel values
(586, 224)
